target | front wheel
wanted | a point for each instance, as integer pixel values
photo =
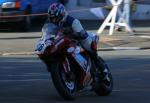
(103, 86)
(64, 84)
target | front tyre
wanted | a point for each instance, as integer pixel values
(65, 86)
(103, 86)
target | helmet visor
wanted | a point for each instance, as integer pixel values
(53, 19)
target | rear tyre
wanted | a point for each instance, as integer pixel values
(65, 87)
(103, 87)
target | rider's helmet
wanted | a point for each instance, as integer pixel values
(57, 13)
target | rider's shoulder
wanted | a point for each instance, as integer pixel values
(70, 17)
(69, 20)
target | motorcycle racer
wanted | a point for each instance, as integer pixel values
(58, 18)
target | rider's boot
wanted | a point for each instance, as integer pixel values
(87, 43)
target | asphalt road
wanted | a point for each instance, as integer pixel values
(24, 79)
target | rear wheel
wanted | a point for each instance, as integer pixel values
(64, 83)
(103, 86)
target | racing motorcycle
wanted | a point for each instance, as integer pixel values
(73, 69)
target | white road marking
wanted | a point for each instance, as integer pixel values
(141, 36)
(126, 48)
(25, 75)
(24, 80)
(132, 90)
(144, 37)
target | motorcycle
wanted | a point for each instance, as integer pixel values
(73, 69)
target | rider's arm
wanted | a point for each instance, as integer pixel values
(77, 27)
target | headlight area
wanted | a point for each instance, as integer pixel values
(8, 5)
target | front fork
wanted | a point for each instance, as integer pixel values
(66, 66)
